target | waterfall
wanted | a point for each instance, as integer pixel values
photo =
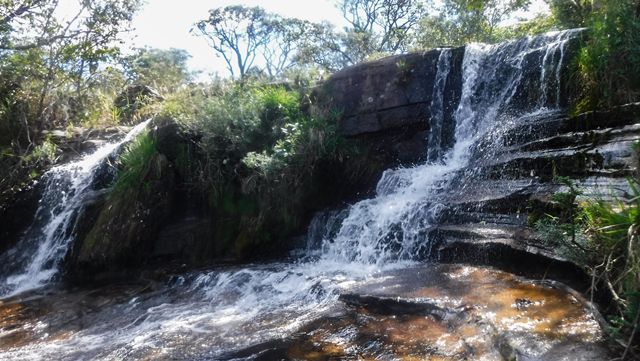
(551, 67)
(436, 121)
(35, 261)
(394, 225)
(237, 307)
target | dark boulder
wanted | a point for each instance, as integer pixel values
(17, 211)
(123, 232)
(388, 102)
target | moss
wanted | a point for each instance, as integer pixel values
(128, 221)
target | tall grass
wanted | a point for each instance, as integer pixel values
(603, 237)
(134, 164)
(614, 231)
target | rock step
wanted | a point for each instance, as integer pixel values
(557, 123)
(582, 141)
(612, 160)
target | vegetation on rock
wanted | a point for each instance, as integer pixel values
(602, 236)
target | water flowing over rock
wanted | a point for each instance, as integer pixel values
(36, 260)
(358, 289)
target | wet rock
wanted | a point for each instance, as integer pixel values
(127, 223)
(77, 141)
(393, 318)
(390, 306)
(17, 210)
(388, 102)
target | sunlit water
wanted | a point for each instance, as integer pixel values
(35, 261)
(210, 314)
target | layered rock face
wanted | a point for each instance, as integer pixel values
(388, 102)
(491, 220)
(391, 105)
(488, 214)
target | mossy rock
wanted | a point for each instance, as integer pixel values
(128, 223)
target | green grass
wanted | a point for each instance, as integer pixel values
(134, 164)
(603, 236)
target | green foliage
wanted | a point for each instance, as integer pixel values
(134, 164)
(45, 153)
(614, 231)
(603, 236)
(609, 61)
(459, 22)
(259, 154)
(164, 70)
(536, 26)
(571, 14)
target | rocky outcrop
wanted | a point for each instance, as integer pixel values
(490, 220)
(388, 102)
(126, 223)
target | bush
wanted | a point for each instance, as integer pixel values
(134, 164)
(614, 231)
(258, 157)
(609, 61)
(603, 236)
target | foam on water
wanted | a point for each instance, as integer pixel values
(233, 309)
(36, 259)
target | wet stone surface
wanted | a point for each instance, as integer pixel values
(449, 312)
(425, 312)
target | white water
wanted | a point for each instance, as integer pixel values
(436, 121)
(220, 311)
(64, 193)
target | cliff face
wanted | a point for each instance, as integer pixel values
(388, 102)
(389, 106)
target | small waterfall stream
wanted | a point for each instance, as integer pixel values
(212, 313)
(35, 261)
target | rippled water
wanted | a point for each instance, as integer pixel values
(293, 309)
(179, 319)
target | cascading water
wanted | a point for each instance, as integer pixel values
(436, 148)
(236, 308)
(35, 261)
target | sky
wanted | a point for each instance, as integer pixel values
(165, 24)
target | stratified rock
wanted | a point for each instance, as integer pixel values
(128, 222)
(388, 102)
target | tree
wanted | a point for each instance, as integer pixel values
(378, 26)
(571, 13)
(164, 70)
(287, 37)
(29, 24)
(375, 27)
(464, 21)
(324, 46)
(54, 60)
(237, 33)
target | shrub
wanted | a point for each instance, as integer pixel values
(614, 229)
(603, 236)
(609, 61)
(134, 164)
(258, 157)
